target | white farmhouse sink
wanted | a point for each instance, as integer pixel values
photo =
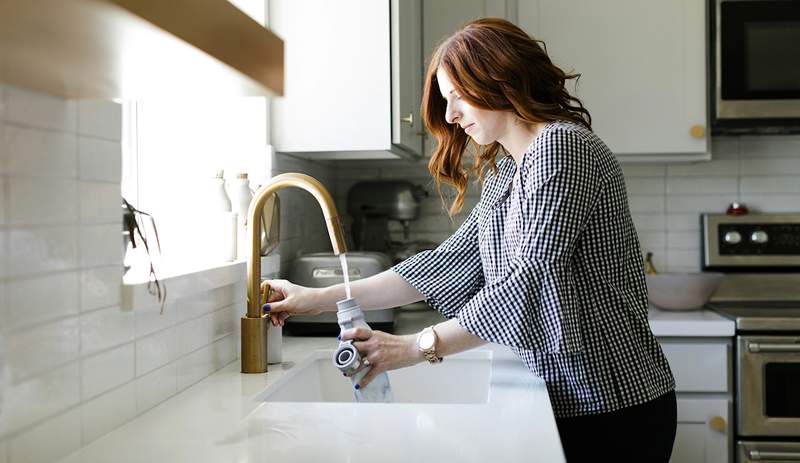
(461, 379)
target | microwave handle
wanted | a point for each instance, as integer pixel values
(760, 455)
(757, 347)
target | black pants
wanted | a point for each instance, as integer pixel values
(642, 433)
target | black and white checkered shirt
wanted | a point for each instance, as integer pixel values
(552, 268)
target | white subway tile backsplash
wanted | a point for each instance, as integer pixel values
(149, 318)
(770, 184)
(652, 240)
(100, 160)
(39, 110)
(41, 201)
(700, 185)
(40, 299)
(724, 148)
(49, 441)
(699, 203)
(105, 328)
(155, 351)
(646, 204)
(100, 287)
(156, 386)
(100, 203)
(109, 411)
(100, 118)
(645, 185)
(222, 322)
(107, 370)
(778, 146)
(41, 153)
(770, 166)
(678, 221)
(192, 335)
(683, 259)
(649, 222)
(41, 396)
(723, 167)
(34, 251)
(3, 200)
(194, 367)
(644, 170)
(772, 202)
(683, 240)
(101, 245)
(41, 347)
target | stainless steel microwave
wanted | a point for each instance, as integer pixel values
(756, 65)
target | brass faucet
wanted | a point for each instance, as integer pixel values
(254, 323)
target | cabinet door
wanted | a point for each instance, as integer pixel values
(642, 66)
(407, 132)
(704, 431)
(337, 94)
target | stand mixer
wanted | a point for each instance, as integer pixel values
(373, 204)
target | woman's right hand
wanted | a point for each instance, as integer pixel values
(286, 299)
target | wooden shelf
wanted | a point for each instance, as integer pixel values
(137, 49)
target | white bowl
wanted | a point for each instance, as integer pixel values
(682, 291)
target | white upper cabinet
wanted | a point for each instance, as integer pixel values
(353, 78)
(642, 66)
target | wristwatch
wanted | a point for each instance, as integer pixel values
(426, 343)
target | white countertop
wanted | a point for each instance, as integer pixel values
(692, 323)
(219, 419)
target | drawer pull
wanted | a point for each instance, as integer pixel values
(775, 456)
(717, 424)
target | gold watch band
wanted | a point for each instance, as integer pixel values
(430, 352)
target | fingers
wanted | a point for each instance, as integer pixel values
(358, 334)
(371, 374)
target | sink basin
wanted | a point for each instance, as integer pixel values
(460, 379)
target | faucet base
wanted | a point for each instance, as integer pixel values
(254, 344)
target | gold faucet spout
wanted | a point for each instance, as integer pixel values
(254, 325)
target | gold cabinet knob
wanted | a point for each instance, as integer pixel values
(408, 119)
(697, 131)
(718, 424)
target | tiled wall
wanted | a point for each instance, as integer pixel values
(75, 361)
(303, 228)
(665, 199)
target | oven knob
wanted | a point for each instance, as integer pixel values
(732, 237)
(759, 237)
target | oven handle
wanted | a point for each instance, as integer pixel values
(757, 347)
(760, 455)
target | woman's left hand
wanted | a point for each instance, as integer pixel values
(383, 350)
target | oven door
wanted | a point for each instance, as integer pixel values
(768, 385)
(758, 61)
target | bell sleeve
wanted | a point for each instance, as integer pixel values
(536, 305)
(451, 274)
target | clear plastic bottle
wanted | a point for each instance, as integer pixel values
(348, 359)
(241, 196)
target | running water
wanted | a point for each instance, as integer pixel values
(345, 274)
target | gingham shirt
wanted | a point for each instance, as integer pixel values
(552, 268)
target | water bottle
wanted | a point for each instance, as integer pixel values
(349, 360)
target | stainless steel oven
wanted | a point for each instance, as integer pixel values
(756, 65)
(760, 256)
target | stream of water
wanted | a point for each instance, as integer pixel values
(345, 274)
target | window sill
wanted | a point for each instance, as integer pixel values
(181, 283)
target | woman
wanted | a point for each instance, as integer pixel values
(548, 262)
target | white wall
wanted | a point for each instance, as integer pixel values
(665, 199)
(76, 360)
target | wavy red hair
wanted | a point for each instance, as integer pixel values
(494, 65)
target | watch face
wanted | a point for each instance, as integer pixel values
(426, 340)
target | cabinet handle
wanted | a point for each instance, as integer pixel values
(760, 455)
(697, 131)
(408, 119)
(717, 423)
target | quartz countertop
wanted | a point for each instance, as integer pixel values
(220, 419)
(692, 323)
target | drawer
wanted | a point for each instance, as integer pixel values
(699, 366)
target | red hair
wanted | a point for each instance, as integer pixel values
(494, 65)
